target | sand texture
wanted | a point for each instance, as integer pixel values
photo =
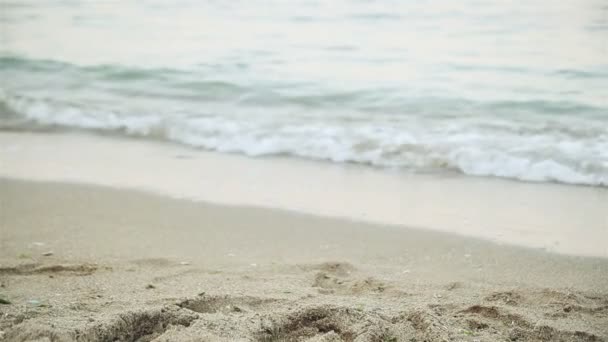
(85, 263)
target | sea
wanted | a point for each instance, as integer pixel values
(514, 89)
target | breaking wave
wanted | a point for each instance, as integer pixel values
(565, 150)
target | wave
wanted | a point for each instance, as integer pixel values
(207, 82)
(572, 152)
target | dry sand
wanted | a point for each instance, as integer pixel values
(90, 263)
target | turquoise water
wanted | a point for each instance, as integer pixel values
(514, 89)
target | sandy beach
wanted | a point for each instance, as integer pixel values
(303, 171)
(88, 263)
(107, 263)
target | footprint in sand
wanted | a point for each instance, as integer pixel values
(341, 278)
(225, 304)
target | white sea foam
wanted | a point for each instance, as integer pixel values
(480, 147)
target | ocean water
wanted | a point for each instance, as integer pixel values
(515, 89)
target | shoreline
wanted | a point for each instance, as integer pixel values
(85, 262)
(557, 218)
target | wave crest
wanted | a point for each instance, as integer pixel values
(560, 153)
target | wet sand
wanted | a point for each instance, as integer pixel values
(89, 263)
(564, 219)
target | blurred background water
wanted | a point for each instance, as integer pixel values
(515, 89)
